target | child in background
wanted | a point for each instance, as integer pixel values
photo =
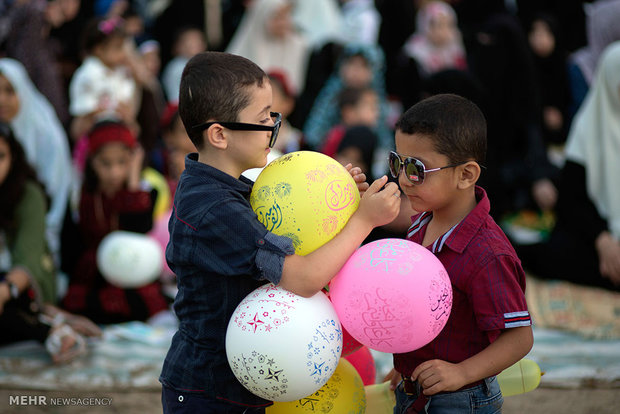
(113, 198)
(357, 147)
(218, 249)
(187, 42)
(103, 87)
(357, 106)
(150, 53)
(145, 63)
(176, 145)
(289, 137)
(439, 144)
(359, 66)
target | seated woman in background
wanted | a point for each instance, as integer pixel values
(27, 273)
(40, 133)
(584, 246)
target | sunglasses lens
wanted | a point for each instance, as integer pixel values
(394, 165)
(413, 169)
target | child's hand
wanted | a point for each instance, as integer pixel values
(436, 375)
(359, 177)
(380, 206)
(394, 377)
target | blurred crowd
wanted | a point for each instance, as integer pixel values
(91, 141)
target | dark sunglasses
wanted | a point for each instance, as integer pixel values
(240, 126)
(415, 171)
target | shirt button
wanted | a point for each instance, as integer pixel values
(180, 398)
(261, 242)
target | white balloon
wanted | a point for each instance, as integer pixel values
(253, 173)
(129, 260)
(281, 346)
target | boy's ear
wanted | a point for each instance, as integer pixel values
(469, 174)
(215, 136)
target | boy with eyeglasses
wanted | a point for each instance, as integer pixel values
(440, 143)
(218, 249)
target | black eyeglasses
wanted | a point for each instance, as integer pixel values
(240, 126)
(415, 171)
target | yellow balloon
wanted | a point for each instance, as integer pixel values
(305, 195)
(380, 399)
(519, 378)
(342, 394)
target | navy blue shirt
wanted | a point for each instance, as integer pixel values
(220, 253)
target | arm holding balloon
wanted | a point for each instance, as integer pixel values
(306, 275)
(436, 375)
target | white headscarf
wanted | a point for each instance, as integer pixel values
(320, 21)
(45, 143)
(594, 138)
(252, 41)
(430, 57)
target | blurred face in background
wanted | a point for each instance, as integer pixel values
(542, 40)
(354, 156)
(111, 164)
(112, 53)
(9, 101)
(190, 43)
(355, 72)
(179, 145)
(441, 30)
(280, 23)
(365, 112)
(152, 61)
(60, 11)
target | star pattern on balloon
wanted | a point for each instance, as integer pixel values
(255, 322)
(318, 369)
(273, 374)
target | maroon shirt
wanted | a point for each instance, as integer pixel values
(488, 285)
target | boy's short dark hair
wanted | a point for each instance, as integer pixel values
(455, 124)
(350, 96)
(214, 86)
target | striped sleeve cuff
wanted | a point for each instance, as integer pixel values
(516, 319)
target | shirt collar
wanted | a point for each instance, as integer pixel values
(203, 171)
(459, 236)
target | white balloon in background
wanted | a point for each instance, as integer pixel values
(129, 260)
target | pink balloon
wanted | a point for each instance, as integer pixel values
(364, 363)
(392, 295)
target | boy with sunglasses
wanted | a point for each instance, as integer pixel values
(218, 249)
(440, 143)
